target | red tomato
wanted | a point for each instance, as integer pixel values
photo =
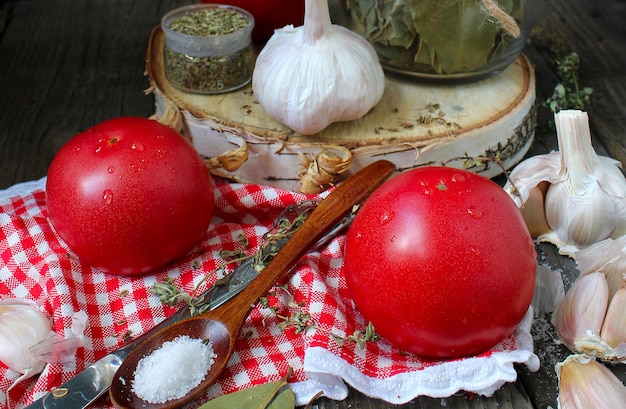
(129, 195)
(441, 262)
(269, 14)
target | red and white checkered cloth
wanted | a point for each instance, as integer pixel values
(37, 265)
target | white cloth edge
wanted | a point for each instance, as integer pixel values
(482, 375)
(23, 188)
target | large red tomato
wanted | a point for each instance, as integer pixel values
(441, 262)
(129, 195)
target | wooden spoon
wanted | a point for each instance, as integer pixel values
(222, 325)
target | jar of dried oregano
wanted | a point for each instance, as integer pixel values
(208, 48)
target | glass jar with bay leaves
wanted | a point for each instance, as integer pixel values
(208, 48)
(445, 39)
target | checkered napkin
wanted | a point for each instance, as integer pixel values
(36, 264)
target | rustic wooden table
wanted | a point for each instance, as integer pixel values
(66, 65)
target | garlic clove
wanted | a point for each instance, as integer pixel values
(607, 256)
(580, 314)
(22, 325)
(533, 210)
(27, 341)
(614, 327)
(585, 383)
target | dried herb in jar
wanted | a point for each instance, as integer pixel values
(206, 63)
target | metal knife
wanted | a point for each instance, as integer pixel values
(87, 386)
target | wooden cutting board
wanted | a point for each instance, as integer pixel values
(415, 123)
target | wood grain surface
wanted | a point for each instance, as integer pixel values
(66, 65)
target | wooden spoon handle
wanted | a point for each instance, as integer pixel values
(327, 214)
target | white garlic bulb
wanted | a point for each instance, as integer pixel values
(574, 197)
(319, 73)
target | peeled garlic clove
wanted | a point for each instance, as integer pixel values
(585, 383)
(614, 328)
(319, 73)
(581, 312)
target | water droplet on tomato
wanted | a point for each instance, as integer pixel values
(458, 177)
(393, 238)
(107, 196)
(137, 147)
(386, 217)
(98, 149)
(429, 191)
(474, 212)
(111, 169)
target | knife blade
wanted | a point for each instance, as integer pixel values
(87, 386)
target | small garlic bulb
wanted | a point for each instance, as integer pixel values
(319, 73)
(585, 383)
(27, 341)
(572, 198)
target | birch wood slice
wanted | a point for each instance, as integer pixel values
(415, 123)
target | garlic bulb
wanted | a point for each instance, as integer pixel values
(319, 73)
(585, 383)
(572, 198)
(589, 321)
(27, 341)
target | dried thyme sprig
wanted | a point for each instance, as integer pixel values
(171, 295)
(568, 92)
(297, 318)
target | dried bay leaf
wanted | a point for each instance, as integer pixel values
(443, 36)
(272, 395)
(457, 31)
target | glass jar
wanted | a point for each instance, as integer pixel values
(445, 39)
(208, 48)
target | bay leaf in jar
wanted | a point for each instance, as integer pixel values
(437, 36)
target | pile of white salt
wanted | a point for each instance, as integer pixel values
(173, 370)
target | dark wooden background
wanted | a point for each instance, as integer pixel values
(66, 65)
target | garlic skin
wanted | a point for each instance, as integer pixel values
(581, 312)
(319, 73)
(585, 201)
(585, 383)
(27, 341)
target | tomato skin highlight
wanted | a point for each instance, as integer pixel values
(129, 195)
(441, 262)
